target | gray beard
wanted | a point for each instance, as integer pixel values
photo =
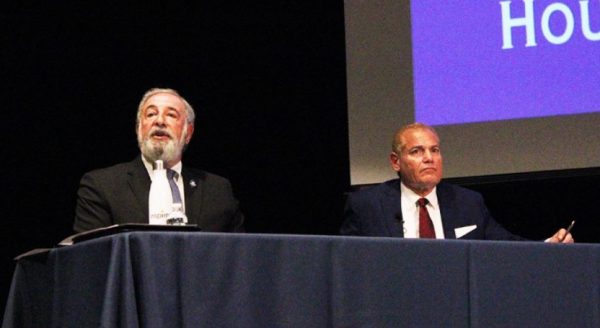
(165, 151)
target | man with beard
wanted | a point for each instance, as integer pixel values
(119, 194)
(418, 205)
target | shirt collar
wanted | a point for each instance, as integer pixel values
(413, 197)
(149, 167)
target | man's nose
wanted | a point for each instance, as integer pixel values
(160, 120)
(427, 156)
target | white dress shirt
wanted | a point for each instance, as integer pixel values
(410, 212)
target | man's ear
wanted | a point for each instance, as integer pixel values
(395, 161)
(190, 132)
(137, 129)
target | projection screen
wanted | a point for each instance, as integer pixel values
(510, 86)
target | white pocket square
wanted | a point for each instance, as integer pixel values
(459, 232)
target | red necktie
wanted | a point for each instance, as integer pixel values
(425, 224)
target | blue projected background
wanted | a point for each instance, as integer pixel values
(511, 86)
(478, 61)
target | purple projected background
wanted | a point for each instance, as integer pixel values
(462, 74)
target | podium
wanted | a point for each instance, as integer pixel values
(201, 279)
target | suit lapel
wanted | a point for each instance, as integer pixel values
(139, 182)
(192, 189)
(447, 211)
(391, 209)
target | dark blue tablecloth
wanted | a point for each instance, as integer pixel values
(185, 279)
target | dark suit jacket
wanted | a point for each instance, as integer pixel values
(375, 211)
(119, 194)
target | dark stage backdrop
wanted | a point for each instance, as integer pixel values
(267, 80)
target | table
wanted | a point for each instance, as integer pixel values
(197, 279)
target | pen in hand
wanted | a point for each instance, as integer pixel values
(568, 230)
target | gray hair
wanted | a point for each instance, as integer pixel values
(189, 111)
(397, 142)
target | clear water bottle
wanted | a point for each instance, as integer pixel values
(160, 198)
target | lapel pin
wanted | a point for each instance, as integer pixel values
(192, 183)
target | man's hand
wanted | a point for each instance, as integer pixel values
(562, 236)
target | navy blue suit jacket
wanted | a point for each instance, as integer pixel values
(376, 211)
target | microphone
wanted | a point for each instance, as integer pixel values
(398, 217)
